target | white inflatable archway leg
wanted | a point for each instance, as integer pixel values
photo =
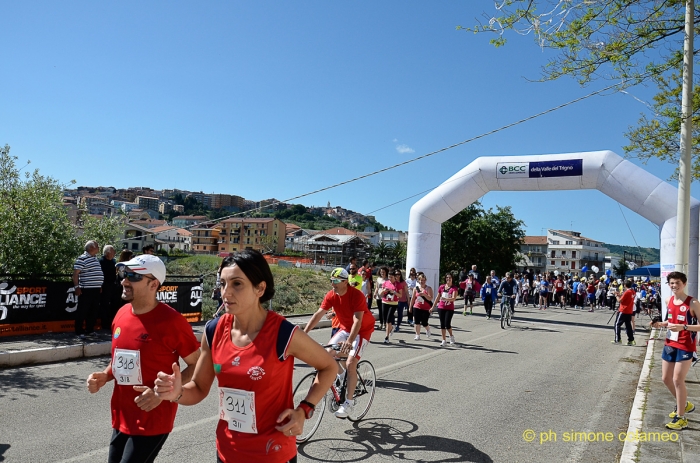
(626, 183)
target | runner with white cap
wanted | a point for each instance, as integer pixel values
(147, 337)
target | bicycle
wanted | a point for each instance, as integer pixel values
(364, 395)
(506, 311)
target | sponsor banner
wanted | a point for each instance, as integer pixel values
(512, 169)
(42, 306)
(567, 168)
(562, 168)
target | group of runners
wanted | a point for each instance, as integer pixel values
(251, 350)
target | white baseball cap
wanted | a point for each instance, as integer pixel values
(146, 264)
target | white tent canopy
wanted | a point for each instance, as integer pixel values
(626, 183)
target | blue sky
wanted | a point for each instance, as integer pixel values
(275, 99)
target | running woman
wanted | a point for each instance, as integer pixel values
(251, 351)
(391, 293)
(421, 306)
(445, 299)
(681, 343)
(411, 282)
(471, 288)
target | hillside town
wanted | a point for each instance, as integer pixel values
(145, 213)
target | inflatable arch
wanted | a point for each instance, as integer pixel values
(626, 183)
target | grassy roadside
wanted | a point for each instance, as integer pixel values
(297, 291)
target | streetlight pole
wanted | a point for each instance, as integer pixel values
(684, 166)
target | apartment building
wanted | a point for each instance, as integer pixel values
(205, 238)
(264, 235)
(147, 202)
(188, 220)
(533, 254)
(568, 251)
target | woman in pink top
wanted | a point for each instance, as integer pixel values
(421, 306)
(445, 300)
(403, 298)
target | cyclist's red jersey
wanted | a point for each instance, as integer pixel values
(345, 307)
(681, 314)
(256, 369)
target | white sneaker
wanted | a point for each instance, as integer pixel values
(344, 410)
(452, 340)
(442, 343)
(427, 332)
(416, 337)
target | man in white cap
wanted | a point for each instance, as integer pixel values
(147, 337)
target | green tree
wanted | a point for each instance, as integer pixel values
(621, 269)
(622, 40)
(489, 239)
(36, 234)
(104, 230)
(398, 254)
(381, 253)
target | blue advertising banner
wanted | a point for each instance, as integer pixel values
(564, 168)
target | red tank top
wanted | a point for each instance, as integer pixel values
(681, 314)
(254, 368)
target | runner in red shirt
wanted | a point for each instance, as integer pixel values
(356, 327)
(147, 336)
(251, 351)
(681, 343)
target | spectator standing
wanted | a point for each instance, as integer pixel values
(411, 283)
(382, 275)
(87, 283)
(474, 272)
(461, 277)
(354, 278)
(612, 295)
(680, 346)
(117, 301)
(625, 314)
(353, 262)
(109, 286)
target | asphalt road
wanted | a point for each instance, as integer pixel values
(552, 372)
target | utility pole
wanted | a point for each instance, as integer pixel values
(684, 171)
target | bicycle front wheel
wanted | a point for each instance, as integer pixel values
(300, 393)
(364, 391)
(509, 315)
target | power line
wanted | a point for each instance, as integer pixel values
(424, 156)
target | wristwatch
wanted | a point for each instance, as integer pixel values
(308, 408)
(685, 327)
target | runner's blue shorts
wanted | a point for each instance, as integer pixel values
(673, 354)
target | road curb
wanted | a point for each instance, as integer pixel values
(637, 413)
(83, 350)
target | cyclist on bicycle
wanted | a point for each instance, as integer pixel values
(509, 288)
(356, 328)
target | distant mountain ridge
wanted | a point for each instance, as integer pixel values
(650, 255)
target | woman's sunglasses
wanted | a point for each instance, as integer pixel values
(133, 276)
